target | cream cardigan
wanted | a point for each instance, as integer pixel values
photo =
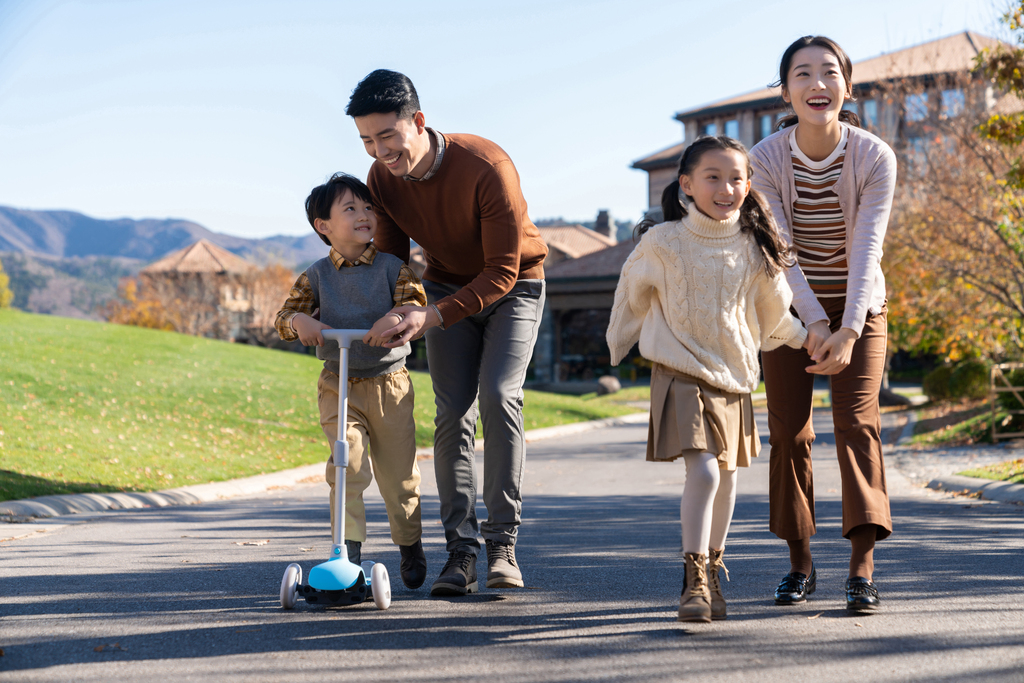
(694, 293)
(865, 188)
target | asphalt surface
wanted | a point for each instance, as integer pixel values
(170, 595)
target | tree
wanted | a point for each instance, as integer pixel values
(6, 295)
(268, 288)
(955, 260)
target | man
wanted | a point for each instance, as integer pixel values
(458, 197)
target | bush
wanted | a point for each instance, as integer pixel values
(969, 379)
(936, 383)
(1007, 401)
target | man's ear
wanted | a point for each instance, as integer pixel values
(419, 121)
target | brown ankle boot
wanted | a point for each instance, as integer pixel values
(714, 583)
(695, 600)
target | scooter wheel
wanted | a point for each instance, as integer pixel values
(290, 584)
(381, 586)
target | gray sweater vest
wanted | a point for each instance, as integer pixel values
(355, 298)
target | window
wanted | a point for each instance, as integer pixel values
(916, 105)
(732, 128)
(869, 114)
(766, 125)
(952, 103)
(710, 129)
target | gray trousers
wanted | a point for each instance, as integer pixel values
(485, 356)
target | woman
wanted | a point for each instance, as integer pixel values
(830, 186)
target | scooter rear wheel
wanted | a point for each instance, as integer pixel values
(290, 585)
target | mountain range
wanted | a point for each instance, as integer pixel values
(67, 263)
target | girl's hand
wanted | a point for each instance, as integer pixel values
(817, 333)
(834, 354)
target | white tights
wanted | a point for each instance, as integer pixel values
(705, 511)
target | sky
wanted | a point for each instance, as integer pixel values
(227, 113)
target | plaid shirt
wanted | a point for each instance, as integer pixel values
(408, 291)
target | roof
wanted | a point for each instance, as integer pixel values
(575, 240)
(200, 257)
(944, 55)
(606, 263)
(661, 159)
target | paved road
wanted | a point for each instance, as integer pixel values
(168, 594)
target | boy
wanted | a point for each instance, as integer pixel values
(356, 287)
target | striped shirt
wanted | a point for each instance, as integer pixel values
(819, 230)
(408, 291)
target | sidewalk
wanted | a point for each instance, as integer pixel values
(21, 511)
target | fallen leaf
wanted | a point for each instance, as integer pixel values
(306, 550)
(252, 542)
(108, 646)
(859, 625)
(1, 652)
(816, 615)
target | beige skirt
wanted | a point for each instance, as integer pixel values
(688, 415)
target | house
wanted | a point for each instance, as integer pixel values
(895, 95)
(207, 286)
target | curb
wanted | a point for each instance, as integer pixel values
(30, 509)
(1000, 491)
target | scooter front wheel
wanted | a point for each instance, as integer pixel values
(380, 584)
(290, 585)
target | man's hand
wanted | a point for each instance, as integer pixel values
(834, 354)
(308, 329)
(376, 336)
(417, 321)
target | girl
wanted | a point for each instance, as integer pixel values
(702, 292)
(830, 186)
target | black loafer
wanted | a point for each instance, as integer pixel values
(861, 595)
(795, 587)
(414, 565)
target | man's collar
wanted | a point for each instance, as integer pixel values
(366, 257)
(437, 159)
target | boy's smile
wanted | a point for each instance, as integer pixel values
(351, 226)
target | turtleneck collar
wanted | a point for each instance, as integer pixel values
(704, 226)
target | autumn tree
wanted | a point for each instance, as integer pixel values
(955, 255)
(268, 288)
(6, 295)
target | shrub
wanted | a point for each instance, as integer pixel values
(936, 383)
(969, 379)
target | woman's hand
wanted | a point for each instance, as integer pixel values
(834, 354)
(817, 333)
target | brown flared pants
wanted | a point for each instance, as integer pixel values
(857, 430)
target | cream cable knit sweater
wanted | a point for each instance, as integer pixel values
(695, 295)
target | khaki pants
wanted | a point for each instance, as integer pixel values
(857, 431)
(379, 416)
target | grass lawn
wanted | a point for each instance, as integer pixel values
(1011, 471)
(88, 406)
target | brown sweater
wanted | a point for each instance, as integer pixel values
(470, 218)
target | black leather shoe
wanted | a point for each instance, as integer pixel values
(861, 595)
(414, 565)
(458, 576)
(795, 587)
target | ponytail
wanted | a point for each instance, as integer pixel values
(756, 219)
(672, 209)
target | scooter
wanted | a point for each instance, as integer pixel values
(338, 582)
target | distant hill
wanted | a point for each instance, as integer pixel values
(67, 263)
(67, 234)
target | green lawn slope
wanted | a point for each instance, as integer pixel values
(88, 406)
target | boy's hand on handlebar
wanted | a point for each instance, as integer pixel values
(308, 329)
(377, 335)
(416, 321)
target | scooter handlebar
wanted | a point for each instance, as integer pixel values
(343, 337)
